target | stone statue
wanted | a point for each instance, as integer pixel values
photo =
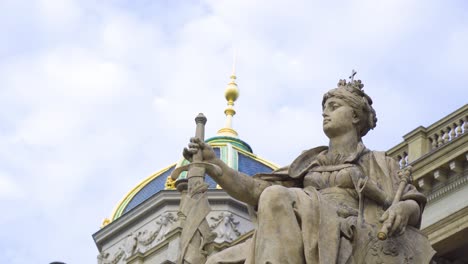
(330, 203)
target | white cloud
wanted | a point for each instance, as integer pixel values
(9, 189)
(59, 14)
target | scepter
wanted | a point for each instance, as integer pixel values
(405, 178)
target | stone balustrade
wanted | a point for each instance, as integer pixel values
(448, 129)
(438, 154)
(422, 140)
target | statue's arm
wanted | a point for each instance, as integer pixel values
(236, 184)
(239, 185)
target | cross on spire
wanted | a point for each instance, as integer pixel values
(353, 72)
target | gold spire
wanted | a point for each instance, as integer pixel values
(231, 94)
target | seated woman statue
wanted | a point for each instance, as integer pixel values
(328, 205)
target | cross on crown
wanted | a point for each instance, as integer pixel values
(353, 84)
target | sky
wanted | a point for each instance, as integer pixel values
(95, 96)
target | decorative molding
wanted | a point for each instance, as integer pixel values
(462, 181)
(225, 226)
(456, 166)
(164, 223)
(165, 198)
(440, 175)
(104, 256)
(425, 184)
(129, 245)
(134, 242)
(123, 252)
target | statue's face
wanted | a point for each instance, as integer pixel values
(338, 117)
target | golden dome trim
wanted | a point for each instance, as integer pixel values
(117, 212)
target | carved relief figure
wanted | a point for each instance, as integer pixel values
(328, 205)
(139, 242)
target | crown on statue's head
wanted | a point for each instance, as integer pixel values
(352, 93)
(351, 86)
(354, 87)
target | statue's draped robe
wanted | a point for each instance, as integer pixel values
(310, 214)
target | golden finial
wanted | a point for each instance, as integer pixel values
(231, 94)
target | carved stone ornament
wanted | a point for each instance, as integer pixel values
(389, 251)
(134, 242)
(124, 251)
(164, 223)
(129, 245)
(103, 258)
(225, 226)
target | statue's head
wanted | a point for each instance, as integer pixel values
(351, 93)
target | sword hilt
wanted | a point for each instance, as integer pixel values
(208, 166)
(200, 120)
(197, 167)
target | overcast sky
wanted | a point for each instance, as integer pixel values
(97, 95)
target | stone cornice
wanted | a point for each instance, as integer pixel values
(447, 227)
(397, 149)
(415, 132)
(460, 182)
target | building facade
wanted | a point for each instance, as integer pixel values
(439, 154)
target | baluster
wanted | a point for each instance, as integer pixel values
(440, 141)
(434, 141)
(404, 160)
(452, 131)
(459, 128)
(465, 124)
(447, 135)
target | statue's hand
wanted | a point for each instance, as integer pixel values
(194, 146)
(396, 218)
(208, 156)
